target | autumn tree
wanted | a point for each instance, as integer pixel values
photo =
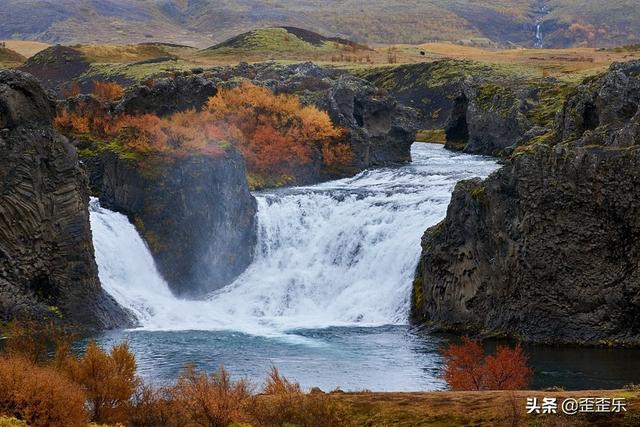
(275, 133)
(108, 379)
(468, 368)
(39, 395)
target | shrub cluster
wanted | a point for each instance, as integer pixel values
(64, 389)
(276, 134)
(468, 368)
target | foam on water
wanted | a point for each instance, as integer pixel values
(340, 253)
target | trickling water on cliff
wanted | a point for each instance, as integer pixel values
(340, 253)
(542, 10)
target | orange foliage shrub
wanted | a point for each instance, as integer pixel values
(72, 91)
(467, 367)
(40, 396)
(275, 133)
(284, 403)
(211, 400)
(108, 379)
(107, 91)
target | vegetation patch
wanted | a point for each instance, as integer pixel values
(436, 136)
(276, 134)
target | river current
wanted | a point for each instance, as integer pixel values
(326, 298)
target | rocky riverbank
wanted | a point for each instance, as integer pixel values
(47, 266)
(546, 249)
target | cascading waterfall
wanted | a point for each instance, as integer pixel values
(339, 253)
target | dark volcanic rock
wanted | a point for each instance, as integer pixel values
(57, 65)
(46, 252)
(167, 96)
(196, 215)
(492, 123)
(548, 248)
(482, 109)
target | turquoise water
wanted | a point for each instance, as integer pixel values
(385, 358)
(326, 298)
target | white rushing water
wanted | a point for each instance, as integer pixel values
(336, 254)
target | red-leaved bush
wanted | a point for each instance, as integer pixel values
(468, 368)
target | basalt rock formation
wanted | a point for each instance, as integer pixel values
(47, 265)
(547, 249)
(196, 214)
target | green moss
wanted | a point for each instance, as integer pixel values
(55, 311)
(258, 181)
(550, 99)
(417, 299)
(134, 71)
(12, 422)
(438, 229)
(479, 192)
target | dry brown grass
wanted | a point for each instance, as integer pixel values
(544, 62)
(482, 408)
(25, 47)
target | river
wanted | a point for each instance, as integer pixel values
(326, 298)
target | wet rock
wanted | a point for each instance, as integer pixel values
(196, 214)
(546, 249)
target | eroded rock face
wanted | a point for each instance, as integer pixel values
(491, 125)
(196, 215)
(167, 96)
(548, 248)
(46, 252)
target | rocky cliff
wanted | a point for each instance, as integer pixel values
(47, 265)
(547, 249)
(196, 214)
(482, 109)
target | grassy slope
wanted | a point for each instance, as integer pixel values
(10, 58)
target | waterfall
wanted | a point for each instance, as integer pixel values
(541, 11)
(539, 42)
(338, 253)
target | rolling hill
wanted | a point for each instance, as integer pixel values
(203, 23)
(10, 58)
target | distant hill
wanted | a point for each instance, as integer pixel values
(10, 58)
(283, 43)
(203, 23)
